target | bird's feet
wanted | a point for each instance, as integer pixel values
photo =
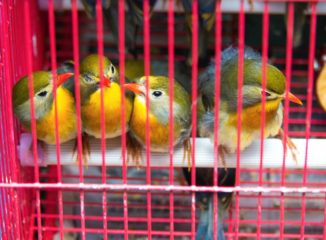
(289, 143)
(221, 153)
(86, 149)
(134, 150)
(187, 152)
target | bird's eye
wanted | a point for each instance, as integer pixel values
(88, 78)
(267, 94)
(157, 93)
(112, 69)
(42, 94)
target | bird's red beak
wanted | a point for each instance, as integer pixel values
(136, 88)
(61, 78)
(294, 99)
(106, 82)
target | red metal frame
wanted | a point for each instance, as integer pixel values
(21, 188)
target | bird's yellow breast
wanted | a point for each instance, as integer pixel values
(91, 112)
(159, 133)
(251, 124)
(45, 127)
(251, 116)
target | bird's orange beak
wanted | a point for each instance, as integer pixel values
(294, 99)
(61, 78)
(136, 88)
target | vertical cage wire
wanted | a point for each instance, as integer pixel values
(218, 54)
(241, 45)
(265, 37)
(121, 7)
(194, 75)
(10, 170)
(170, 23)
(147, 126)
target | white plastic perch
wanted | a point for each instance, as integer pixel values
(250, 158)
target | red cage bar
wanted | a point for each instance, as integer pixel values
(154, 202)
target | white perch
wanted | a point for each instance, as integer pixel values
(250, 158)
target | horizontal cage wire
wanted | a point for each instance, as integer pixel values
(127, 144)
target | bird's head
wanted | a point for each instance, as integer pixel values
(90, 79)
(159, 96)
(43, 94)
(252, 89)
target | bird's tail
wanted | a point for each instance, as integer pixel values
(205, 228)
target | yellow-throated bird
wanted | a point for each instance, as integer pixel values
(159, 114)
(227, 133)
(44, 106)
(251, 100)
(91, 98)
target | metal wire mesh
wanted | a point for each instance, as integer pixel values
(108, 201)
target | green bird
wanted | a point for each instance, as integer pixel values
(44, 106)
(91, 98)
(159, 115)
(251, 100)
(252, 91)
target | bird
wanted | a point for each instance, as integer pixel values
(158, 116)
(206, 19)
(251, 99)
(204, 177)
(90, 93)
(299, 22)
(44, 106)
(134, 69)
(252, 91)
(133, 20)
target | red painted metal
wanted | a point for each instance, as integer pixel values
(75, 41)
(218, 54)
(146, 9)
(263, 111)
(123, 127)
(194, 76)
(170, 24)
(241, 45)
(46, 38)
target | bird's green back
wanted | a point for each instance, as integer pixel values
(252, 76)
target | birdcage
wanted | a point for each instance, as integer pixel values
(47, 193)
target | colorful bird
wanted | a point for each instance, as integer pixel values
(204, 177)
(134, 69)
(206, 19)
(299, 22)
(44, 106)
(252, 91)
(159, 115)
(251, 100)
(91, 98)
(133, 19)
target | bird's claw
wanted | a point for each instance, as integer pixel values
(289, 144)
(86, 150)
(187, 152)
(221, 152)
(134, 151)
